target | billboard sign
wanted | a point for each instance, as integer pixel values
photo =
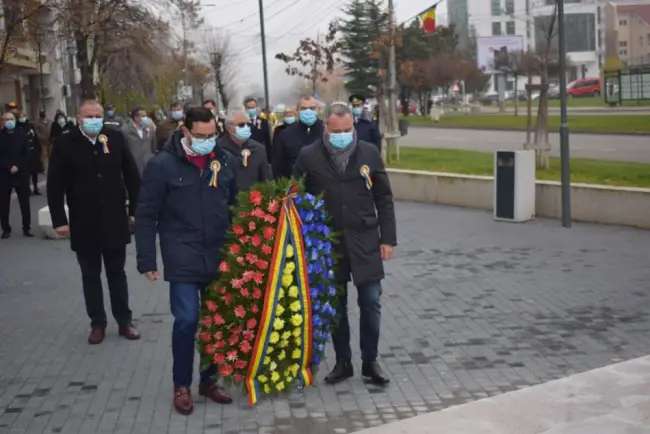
(492, 51)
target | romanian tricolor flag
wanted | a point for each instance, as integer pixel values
(428, 19)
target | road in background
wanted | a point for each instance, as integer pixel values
(598, 146)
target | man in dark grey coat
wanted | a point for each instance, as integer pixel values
(253, 165)
(359, 198)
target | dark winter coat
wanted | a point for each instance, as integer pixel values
(94, 183)
(278, 130)
(34, 161)
(289, 144)
(261, 134)
(365, 217)
(14, 151)
(367, 131)
(115, 122)
(165, 130)
(56, 130)
(190, 217)
(257, 167)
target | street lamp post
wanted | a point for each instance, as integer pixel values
(564, 125)
(267, 101)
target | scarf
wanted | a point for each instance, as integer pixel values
(341, 157)
(187, 147)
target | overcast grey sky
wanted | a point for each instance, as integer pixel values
(286, 22)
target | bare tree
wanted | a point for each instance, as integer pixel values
(219, 54)
(189, 12)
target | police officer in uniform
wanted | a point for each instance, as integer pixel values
(367, 130)
(112, 119)
(260, 131)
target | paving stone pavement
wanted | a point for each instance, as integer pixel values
(472, 308)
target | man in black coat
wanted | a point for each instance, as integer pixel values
(253, 166)
(187, 189)
(34, 161)
(260, 131)
(112, 119)
(367, 130)
(14, 174)
(359, 198)
(295, 137)
(92, 168)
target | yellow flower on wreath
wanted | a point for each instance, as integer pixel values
(293, 291)
(290, 251)
(295, 306)
(282, 355)
(284, 343)
(296, 354)
(286, 335)
(279, 310)
(267, 388)
(273, 367)
(278, 324)
(289, 267)
(275, 376)
(274, 338)
(280, 386)
(294, 369)
(296, 320)
(297, 332)
(281, 294)
(262, 378)
(287, 280)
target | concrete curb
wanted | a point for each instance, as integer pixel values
(483, 128)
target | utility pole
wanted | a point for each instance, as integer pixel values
(391, 139)
(314, 71)
(265, 69)
(39, 46)
(564, 125)
(529, 103)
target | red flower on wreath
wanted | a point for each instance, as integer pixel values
(240, 260)
(273, 207)
(262, 264)
(224, 267)
(242, 214)
(266, 249)
(251, 323)
(244, 292)
(218, 319)
(241, 364)
(256, 240)
(231, 355)
(211, 306)
(255, 197)
(220, 344)
(268, 233)
(218, 358)
(218, 336)
(209, 349)
(251, 258)
(249, 335)
(245, 347)
(258, 277)
(238, 230)
(225, 370)
(269, 218)
(233, 340)
(251, 226)
(257, 294)
(238, 378)
(237, 283)
(205, 337)
(258, 212)
(227, 298)
(207, 321)
(234, 249)
(240, 312)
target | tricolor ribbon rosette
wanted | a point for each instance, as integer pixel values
(104, 141)
(365, 174)
(215, 167)
(245, 153)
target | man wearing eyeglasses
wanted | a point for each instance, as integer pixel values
(252, 166)
(289, 142)
(186, 192)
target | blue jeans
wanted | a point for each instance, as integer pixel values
(369, 324)
(184, 299)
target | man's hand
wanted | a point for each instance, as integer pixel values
(152, 275)
(13, 170)
(63, 231)
(386, 251)
(132, 223)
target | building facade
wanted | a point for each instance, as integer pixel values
(530, 20)
(627, 32)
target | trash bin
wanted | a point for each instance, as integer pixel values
(403, 126)
(514, 185)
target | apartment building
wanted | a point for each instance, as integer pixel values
(32, 75)
(627, 32)
(529, 19)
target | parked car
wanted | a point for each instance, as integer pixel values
(584, 87)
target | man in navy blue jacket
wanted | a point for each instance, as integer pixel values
(367, 130)
(180, 201)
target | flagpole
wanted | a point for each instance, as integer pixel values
(265, 69)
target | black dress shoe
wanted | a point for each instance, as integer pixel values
(5, 235)
(341, 372)
(373, 371)
(28, 234)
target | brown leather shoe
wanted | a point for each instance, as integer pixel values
(128, 331)
(215, 393)
(183, 400)
(96, 336)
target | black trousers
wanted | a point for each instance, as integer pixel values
(35, 181)
(23, 193)
(91, 269)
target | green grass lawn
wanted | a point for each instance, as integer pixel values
(596, 101)
(603, 124)
(583, 170)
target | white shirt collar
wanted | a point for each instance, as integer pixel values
(92, 140)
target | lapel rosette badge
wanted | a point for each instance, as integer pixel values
(266, 319)
(245, 153)
(104, 141)
(365, 174)
(259, 124)
(215, 167)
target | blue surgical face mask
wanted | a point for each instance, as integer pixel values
(290, 120)
(252, 112)
(203, 146)
(356, 111)
(92, 126)
(308, 117)
(341, 140)
(177, 115)
(61, 122)
(145, 120)
(22, 120)
(110, 113)
(243, 133)
(10, 125)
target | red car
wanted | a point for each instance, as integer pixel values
(584, 87)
